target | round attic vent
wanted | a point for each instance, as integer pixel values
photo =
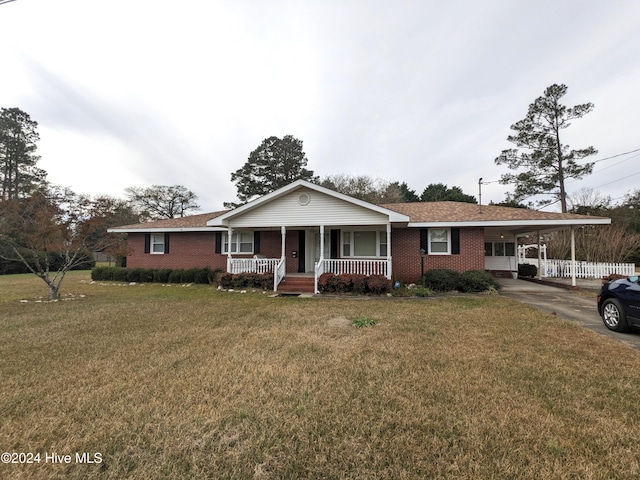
(304, 199)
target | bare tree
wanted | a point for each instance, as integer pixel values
(162, 201)
(50, 233)
(601, 243)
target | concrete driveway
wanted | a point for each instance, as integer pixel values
(567, 304)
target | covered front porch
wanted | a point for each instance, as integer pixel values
(311, 251)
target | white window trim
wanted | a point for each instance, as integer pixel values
(448, 252)
(380, 234)
(153, 242)
(237, 234)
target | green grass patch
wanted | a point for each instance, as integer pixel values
(191, 382)
(362, 322)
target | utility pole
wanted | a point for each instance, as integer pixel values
(480, 194)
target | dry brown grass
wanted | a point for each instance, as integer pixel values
(188, 382)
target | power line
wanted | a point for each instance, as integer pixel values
(618, 155)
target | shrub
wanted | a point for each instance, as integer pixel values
(442, 280)
(119, 274)
(343, 283)
(358, 283)
(378, 284)
(327, 282)
(203, 275)
(176, 276)
(245, 280)
(188, 276)
(161, 275)
(225, 280)
(477, 281)
(138, 274)
(527, 270)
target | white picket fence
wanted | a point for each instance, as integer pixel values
(562, 268)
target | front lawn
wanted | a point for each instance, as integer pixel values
(189, 382)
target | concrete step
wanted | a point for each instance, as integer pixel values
(296, 285)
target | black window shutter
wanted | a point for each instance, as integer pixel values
(256, 242)
(424, 240)
(218, 242)
(147, 243)
(166, 243)
(455, 241)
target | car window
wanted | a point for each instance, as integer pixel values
(634, 279)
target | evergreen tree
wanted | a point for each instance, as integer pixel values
(546, 162)
(19, 175)
(275, 163)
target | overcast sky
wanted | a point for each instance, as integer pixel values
(143, 92)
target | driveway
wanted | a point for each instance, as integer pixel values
(565, 303)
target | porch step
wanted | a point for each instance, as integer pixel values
(296, 285)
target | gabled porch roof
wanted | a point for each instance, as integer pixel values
(302, 203)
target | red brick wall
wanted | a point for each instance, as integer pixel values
(186, 250)
(405, 250)
(196, 250)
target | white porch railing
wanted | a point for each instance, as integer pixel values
(562, 268)
(252, 265)
(363, 267)
(279, 273)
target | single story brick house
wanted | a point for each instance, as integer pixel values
(305, 229)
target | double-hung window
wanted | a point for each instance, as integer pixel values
(241, 242)
(157, 243)
(364, 243)
(439, 242)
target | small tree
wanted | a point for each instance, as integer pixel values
(546, 162)
(162, 201)
(274, 164)
(50, 233)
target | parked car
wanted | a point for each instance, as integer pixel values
(619, 304)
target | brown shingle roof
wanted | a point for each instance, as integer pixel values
(427, 212)
(421, 212)
(191, 221)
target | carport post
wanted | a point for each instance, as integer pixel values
(539, 259)
(573, 256)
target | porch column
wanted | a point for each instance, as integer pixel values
(388, 250)
(283, 232)
(573, 256)
(321, 241)
(229, 237)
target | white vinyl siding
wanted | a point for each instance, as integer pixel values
(321, 209)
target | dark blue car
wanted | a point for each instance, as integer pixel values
(619, 304)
